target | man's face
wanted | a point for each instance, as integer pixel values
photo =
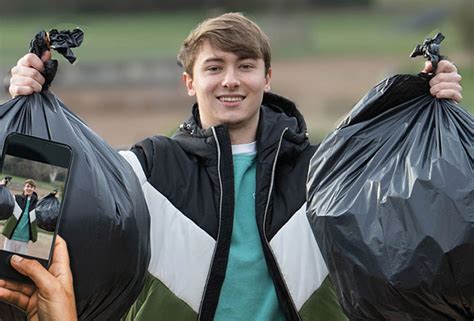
(28, 189)
(228, 89)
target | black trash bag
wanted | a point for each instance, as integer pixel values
(105, 219)
(7, 201)
(11, 312)
(47, 212)
(391, 204)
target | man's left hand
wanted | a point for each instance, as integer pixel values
(447, 82)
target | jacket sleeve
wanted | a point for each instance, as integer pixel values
(145, 152)
(140, 157)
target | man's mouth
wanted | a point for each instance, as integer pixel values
(231, 99)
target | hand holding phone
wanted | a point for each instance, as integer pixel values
(53, 296)
(37, 173)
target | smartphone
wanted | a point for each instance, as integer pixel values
(33, 189)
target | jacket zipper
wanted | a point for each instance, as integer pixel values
(220, 215)
(272, 179)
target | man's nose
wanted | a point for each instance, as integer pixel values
(231, 79)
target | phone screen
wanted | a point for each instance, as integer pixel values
(33, 183)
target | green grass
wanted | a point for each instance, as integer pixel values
(108, 38)
(294, 35)
(468, 85)
(159, 35)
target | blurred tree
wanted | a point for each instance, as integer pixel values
(30, 169)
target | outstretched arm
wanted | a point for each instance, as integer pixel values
(53, 296)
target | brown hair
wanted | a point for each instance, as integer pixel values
(230, 32)
(31, 182)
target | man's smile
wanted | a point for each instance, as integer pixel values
(231, 98)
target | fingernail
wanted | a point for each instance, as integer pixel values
(16, 258)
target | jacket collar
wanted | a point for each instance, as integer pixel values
(278, 116)
(280, 120)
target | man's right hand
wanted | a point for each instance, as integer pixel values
(53, 297)
(26, 75)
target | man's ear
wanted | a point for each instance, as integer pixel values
(188, 82)
(268, 79)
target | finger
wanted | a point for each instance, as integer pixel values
(20, 91)
(428, 67)
(35, 271)
(26, 81)
(31, 60)
(446, 66)
(445, 85)
(60, 262)
(446, 77)
(16, 298)
(449, 94)
(24, 288)
(28, 72)
(46, 56)
(61, 254)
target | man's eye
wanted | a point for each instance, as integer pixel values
(213, 68)
(246, 66)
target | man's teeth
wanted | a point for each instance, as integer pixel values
(230, 99)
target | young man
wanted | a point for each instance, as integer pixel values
(21, 227)
(227, 193)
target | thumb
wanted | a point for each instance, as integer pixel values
(428, 67)
(46, 56)
(32, 269)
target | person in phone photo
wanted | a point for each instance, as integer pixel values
(21, 227)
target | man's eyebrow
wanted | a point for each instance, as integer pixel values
(213, 59)
(218, 59)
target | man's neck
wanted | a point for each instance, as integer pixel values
(244, 134)
(242, 137)
(240, 133)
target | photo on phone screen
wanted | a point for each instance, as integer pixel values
(34, 174)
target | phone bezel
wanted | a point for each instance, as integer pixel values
(58, 154)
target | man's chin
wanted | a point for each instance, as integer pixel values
(236, 121)
(232, 123)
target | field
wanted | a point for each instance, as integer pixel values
(148, 36)
(126, 84)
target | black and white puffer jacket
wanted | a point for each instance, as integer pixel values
(188, 184)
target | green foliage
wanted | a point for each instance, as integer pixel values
(465, 23)
(467, 83)
(108, 38)
(157, 35)
(120, 38)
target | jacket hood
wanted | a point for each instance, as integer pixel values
(280, 119)
(278, 116)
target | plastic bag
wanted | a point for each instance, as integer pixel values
(391, 199)
(7, 201)
(47, 212)
(105, 218)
